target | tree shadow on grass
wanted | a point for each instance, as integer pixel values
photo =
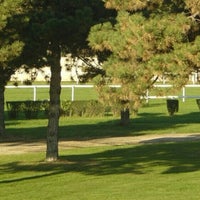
(166, 158)
(144, 123)
(158, 121)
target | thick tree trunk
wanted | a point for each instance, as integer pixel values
(2, 118)
(54, 109)
(125, 116)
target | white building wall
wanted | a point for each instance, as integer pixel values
(70, 70)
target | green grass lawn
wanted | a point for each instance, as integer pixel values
(140, 172)
(80, 93)
(151, 119)
(18, 94)
(163, 171)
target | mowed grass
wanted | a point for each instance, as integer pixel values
(152, 118)
(18, 94)
(79, 94)
(140, 172)
(162, 171)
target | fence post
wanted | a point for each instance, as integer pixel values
(34, 93)
(147, 96)
(183, 94)
(72, 98)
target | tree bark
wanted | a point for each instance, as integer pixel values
(54, 107)
(125, 116)
(2, 117)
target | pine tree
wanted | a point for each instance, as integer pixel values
(10, 48)
(56, 27)
(150, 39)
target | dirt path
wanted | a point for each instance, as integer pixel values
(20, 147)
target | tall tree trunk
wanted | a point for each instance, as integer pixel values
(2, 118)
(54, 108)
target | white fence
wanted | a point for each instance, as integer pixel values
(183, 96)
(35, 87)
(73, 87)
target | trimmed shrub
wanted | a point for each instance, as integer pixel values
(198, 103)
(94, 108)
(78, 108)
(65, 108)
(14, 108)
(29, 108)
(82, 108)
(45, 107)
(172, 106)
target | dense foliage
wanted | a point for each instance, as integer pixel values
(53, 28)
(149, 40)
(36, 109)
(10, 47)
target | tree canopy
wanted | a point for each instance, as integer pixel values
(150, 39)
(35, 33)
(10, 47)
(55, 27)
(10, 44)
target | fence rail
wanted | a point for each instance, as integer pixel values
(183, 96)
(148, 96)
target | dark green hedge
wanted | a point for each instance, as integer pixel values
(31, 109)
(198, 103)
(82, 108)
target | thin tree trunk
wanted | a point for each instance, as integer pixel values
(2, 118)
(54, 108)
(125, 117)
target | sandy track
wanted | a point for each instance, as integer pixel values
(22, 147)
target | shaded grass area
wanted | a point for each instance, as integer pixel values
(86, 128)
(162, 171)
(151, 119)
(147, 172)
